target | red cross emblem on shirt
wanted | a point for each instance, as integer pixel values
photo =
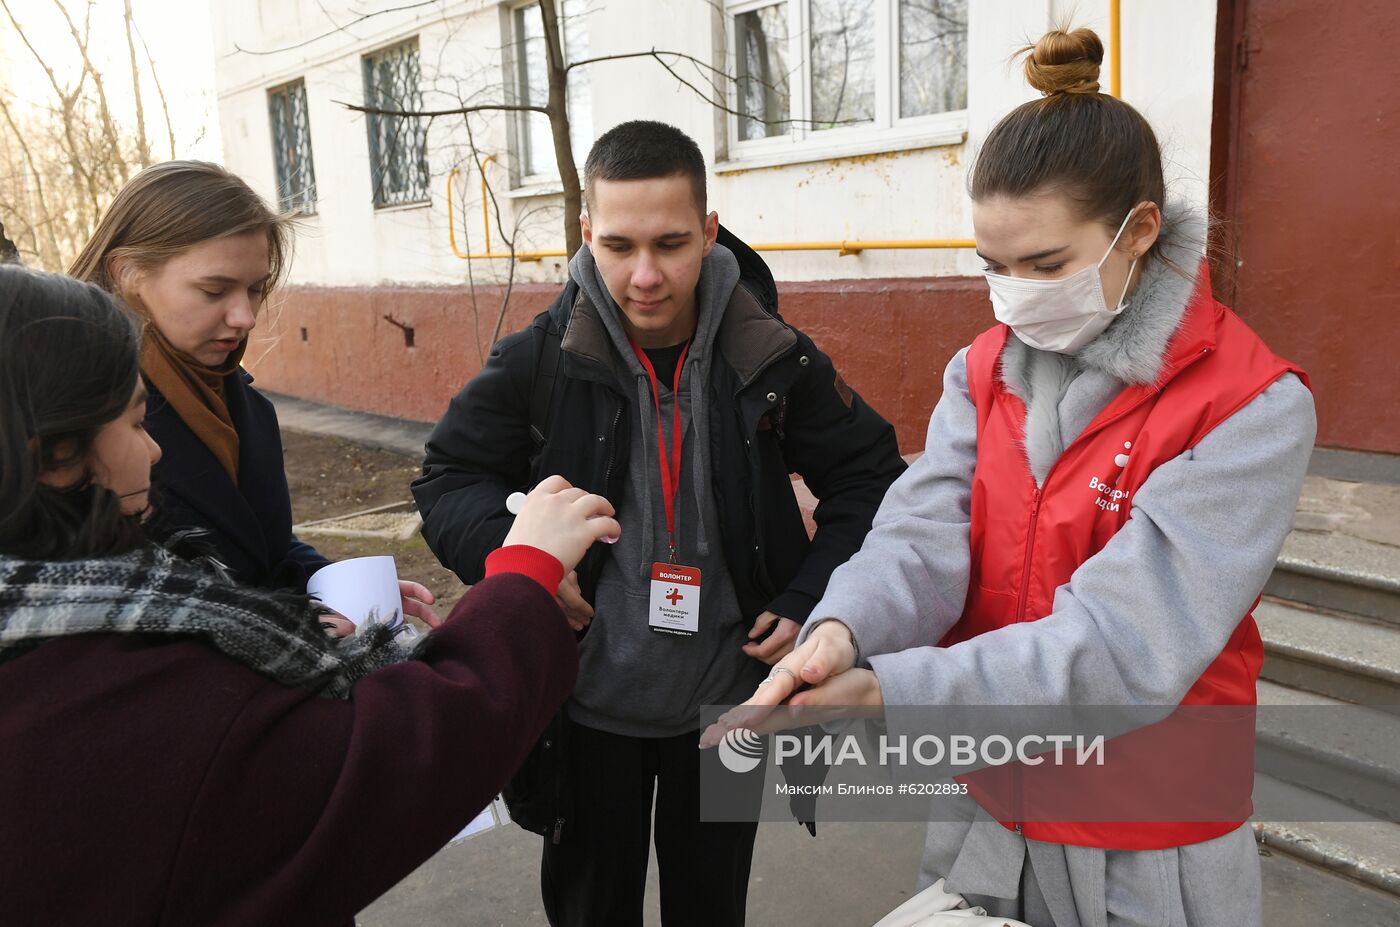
(675, 596)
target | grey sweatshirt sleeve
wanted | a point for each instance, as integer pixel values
(907, 584)
(1141, 620)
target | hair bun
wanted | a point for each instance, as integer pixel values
(1065, 62)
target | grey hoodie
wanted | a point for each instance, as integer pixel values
(1139, 621)
(632, 680)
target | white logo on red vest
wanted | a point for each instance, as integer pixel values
(1108, 497)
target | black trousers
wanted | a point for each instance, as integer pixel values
(597, 876)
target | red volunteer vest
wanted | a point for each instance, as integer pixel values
(1026, 541)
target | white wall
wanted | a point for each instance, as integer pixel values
(1167, 72)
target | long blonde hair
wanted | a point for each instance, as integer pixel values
(172, 206)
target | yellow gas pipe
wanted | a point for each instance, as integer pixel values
(842, 248)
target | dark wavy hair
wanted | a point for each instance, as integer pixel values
(644, 150)
(69, 359)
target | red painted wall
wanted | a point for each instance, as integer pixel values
(1304, 160)
(890, 339)
(352, 356)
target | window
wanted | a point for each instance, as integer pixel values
(535, 141)
(814, 73)
(291, 147)
(398, 145)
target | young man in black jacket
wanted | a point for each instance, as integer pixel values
(662, 378)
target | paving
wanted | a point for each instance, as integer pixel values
(850, 875)
(1367, 851)
(392, 434)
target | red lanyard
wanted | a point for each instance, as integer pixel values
(670, 465)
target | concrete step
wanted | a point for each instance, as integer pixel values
(1367, 851)
(1346, 658)
(1349, 753)
(1300, 894)
(1339, 572)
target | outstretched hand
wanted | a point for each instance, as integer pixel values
(816, 673)
(563, 521)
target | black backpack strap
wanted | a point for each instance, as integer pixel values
(546, 372)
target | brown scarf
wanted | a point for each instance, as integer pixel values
(197, 394)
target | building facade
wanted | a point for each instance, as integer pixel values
(838, 135)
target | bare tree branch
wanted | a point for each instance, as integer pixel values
(70, 152)
(659, 55)
(160, 89)
(9, 252)
(651, 53)
(66, 101)
(104, 110)
(714, 76)
(471, 275)
(460, 111)
(238, 49)
(724, 107)
(508, 239)
(143, 147)
(35, 173)
(26, 230)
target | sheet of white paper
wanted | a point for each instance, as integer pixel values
(494, 815)
(359, 588)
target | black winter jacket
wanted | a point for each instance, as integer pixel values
(777, 407)
(248, 525)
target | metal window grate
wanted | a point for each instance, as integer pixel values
(291, 147)
(398, 145)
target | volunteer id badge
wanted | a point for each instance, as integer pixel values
(675, 599)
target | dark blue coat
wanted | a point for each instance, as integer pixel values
(249, 525)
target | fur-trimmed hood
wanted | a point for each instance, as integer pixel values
(1129, 352)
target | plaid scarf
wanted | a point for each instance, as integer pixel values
(152, 591)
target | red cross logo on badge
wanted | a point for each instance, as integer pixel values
(674, 595)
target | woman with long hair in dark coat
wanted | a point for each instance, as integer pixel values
(181, 749)
(196, 253)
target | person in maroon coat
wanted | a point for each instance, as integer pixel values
(176, 749)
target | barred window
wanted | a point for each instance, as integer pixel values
(398, 145)
(291, 147)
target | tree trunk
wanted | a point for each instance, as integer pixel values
(143, 147)
(558, 107)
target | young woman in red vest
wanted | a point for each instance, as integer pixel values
(1108, 478)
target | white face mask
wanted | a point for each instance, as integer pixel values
(1058, 315)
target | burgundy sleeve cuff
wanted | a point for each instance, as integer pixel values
(543, 568)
